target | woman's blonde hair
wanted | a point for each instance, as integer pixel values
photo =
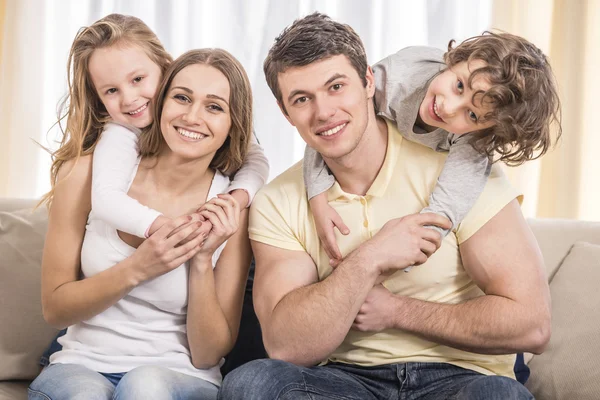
(82, 108)
(231, 154)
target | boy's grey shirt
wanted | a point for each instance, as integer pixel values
(401, 82)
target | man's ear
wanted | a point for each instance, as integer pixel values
(370, 78)
(285, 114)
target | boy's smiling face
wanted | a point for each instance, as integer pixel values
(449, 103)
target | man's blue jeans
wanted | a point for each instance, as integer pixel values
(273, 379)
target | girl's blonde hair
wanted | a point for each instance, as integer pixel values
(231, 154)
(84, 112)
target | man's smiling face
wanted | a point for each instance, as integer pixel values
(328, 104)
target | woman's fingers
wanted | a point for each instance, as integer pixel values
(219, 212)
(223, 213)
(231, 207)
(200, 231)
(171, 227)
(217, 226)
(183, 253)
(227, 209)
(174, 239)
(234, 203)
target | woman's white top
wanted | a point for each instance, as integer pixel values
(147, 326)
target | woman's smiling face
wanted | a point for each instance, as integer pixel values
(196, 119)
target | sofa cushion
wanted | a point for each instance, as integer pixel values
(24, 334)
(14, 390)
(568, 369)
(9, 204)
(557, 236)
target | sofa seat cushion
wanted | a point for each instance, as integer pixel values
(15, 390)
(568, 369)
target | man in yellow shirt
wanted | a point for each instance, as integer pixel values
(450, 327)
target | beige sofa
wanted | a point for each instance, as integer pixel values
(569, 369)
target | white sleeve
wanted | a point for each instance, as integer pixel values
(114, 160)
(254, 171)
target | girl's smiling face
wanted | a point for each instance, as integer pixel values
(126, 80)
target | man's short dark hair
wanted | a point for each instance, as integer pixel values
(313, 38)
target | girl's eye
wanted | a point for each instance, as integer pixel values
(138, 79)
(459, 85)
(472, 116)
(215, 107)
(181, 97)
(301, 100)
(111, 91)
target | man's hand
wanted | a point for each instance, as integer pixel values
(405, 241)
(375, 314)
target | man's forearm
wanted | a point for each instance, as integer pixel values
(310, 322)
(488, 324)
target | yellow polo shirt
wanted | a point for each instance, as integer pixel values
(280, 216)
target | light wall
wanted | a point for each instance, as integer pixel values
(3, 136)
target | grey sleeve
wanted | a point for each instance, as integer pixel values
(401, 82)
(460, 183)
(317, 177)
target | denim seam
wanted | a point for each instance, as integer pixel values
(305, 385)
(310, 391)
(350, 375)
(313, 390)
(289, 388)
(30, 390)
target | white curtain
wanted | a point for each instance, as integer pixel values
(38, 34)
(564, 183)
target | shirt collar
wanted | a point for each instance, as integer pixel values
(382, 181)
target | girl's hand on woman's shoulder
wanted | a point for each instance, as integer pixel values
(223, 212)
(174, 243)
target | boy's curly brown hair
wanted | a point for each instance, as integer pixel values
(523, 96)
